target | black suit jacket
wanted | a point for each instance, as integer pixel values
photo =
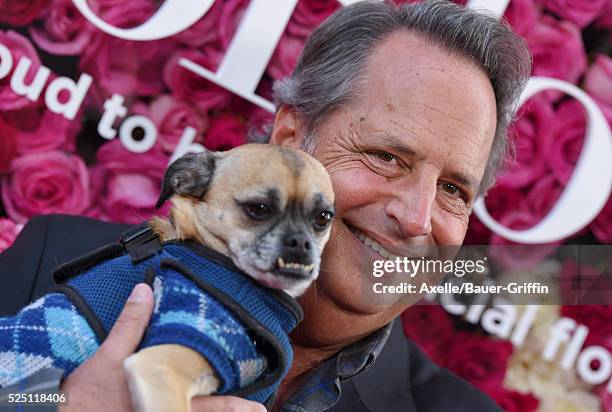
(402, 379)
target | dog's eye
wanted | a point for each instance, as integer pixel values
(323, 220)
(257, 211)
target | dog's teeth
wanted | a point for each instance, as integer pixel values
(281, 262)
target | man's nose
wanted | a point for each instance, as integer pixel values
(411, 207)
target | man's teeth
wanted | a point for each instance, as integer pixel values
(290, 265)
(374, 246)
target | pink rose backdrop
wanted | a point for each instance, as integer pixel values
(52, 165)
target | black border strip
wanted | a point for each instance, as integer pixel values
(290, 303)
(84, 310)
(75, 267)
(244, 317)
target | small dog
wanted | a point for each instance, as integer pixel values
(269, 209)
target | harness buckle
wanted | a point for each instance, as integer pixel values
(140, 242)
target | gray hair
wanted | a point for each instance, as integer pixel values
(333, 58)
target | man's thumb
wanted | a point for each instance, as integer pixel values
(126, 334)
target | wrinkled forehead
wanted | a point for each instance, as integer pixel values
(279, 175)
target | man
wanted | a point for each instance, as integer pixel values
(407, 108)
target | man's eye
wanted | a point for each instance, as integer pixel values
(454, 190)
(257, 211)
(385, 157)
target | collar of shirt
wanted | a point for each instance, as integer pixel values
(320, 389)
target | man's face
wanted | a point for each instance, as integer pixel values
(405, 159)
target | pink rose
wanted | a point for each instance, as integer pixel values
(48, 182)
(39, 130)
(20, 12)
(532, 134)
(500, 196)
(602, 225)
(309, 14)
(581, 12)
(127, 184)
(63, 30)
(479, 360)
(430, 327)
(568, 136)
(191, 87)
(230, 18)
(605, 397)
(598, 83)
(225, 132)
(598, 318)
(19, 47)
(515, 257)
(522, 15)
(543, 196)
(171, 116)
(285, 57)
(604, 21)
(203, 32)
(8, 144)
(122, 66)
(557, 51)
(8, 232)
(513, 401)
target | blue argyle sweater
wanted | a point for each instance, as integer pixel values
(202, 301)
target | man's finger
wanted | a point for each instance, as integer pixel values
(126, 334)
(224, 404)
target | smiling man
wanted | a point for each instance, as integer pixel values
(407, 108)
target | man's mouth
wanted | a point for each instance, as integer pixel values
(372, 244)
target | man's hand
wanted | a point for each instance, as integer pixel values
(100, 383)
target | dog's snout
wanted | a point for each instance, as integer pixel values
(296, 247)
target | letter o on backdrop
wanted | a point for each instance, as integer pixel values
(587, 190)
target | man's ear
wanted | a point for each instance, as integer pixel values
(189, 175)
(285, 131)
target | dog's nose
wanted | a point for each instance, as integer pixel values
(296, 248)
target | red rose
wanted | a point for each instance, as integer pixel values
(580, 12)
(225, 132)
(309, 14)
(430, 327)
(481, 361)
(285, 57)
(8, 144)
(47, 182)
(513, 401)
(583, 285)
(8, 232)
(20, 12)
(598, 318)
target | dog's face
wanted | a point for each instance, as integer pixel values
(268, 208)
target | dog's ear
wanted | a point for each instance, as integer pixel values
(189, 175)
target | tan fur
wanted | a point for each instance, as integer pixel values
(165, 377)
